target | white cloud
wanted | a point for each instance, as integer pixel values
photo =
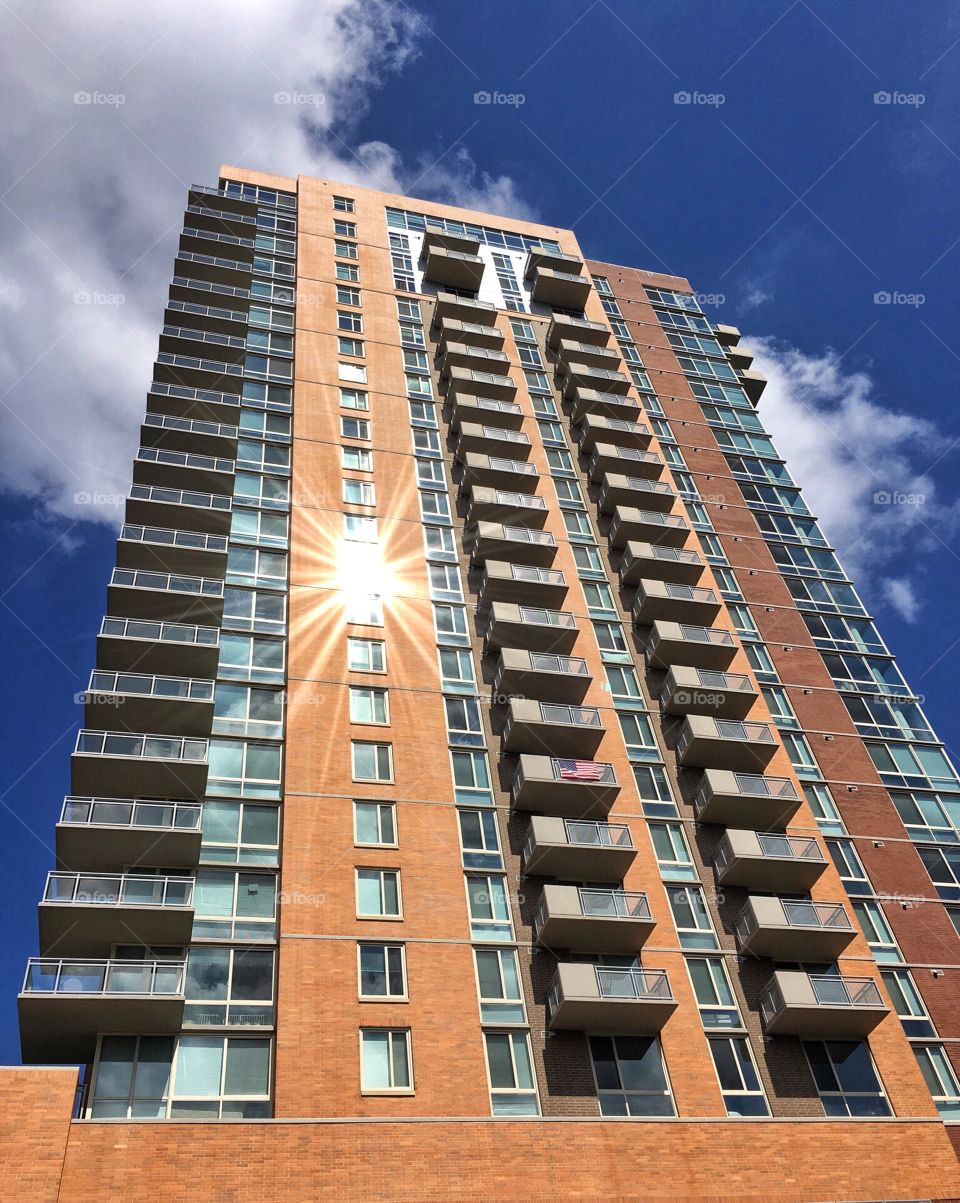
(755, 295)
(95, 191)
(866, 470)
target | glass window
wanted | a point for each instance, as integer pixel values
(385, 1062)
(354, 428)
(479, 841)
(464, 725)
(374, 823)
(382, 971)
(357, 459)
(512, 1088)
(369, 705)
(630, 1075)
(371, 761)
(354, 398)
(378, 893)
(907, 1001)
(672, 851)
(471, 777)
(691, 917)
(359, 492)
(498, 983)
(366, 655)
(489, 908)
(877, 930)
(940, 1077)
(737, 1073)
(364, 611)
(715, 997)
(846, 1078)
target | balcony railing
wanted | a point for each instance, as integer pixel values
(714, 635)
(127, 812)
(536, 576)
(522, 534)
(796, 913)
(774, 844)
(548, 663)
(95, 977)
(845, 991)
(633, 983)
(118, 889)
(614, 904)
(141, 578)
(181, 633)
(165, 537)
(551, 618)
(168, 496)
(604, 835)
(222, 430)
(574, 716)
(204, 336)
(193, 689)
(142, 747)
(185, 459)
(501, 464)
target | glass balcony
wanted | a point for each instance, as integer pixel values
(492, 440)
(629, 461)
(672, 643)
(177, 647)
(598, 998)
(597, 403)
(197, 370)
(183, 401)
(592, 920)
(449, 306)
(499, 473)
(138, 701)
(220, 319)
(514, 544)
(190, 340)
(505, 582)
(572, 354)
(787, 929)
(65, 1004)
(138, 593)
(577, 849)
(677, 603)
(746, 800)
(471, 334)
(449, 264)
(647, 526)
(618, 490)
(85, 914)
(719, 743)
(188, 434)
(452, 355)
(470, 381)
(769, 860)
(541, 675)
(555, 286)
(563, 326)
(612, 432)
(553, 727)
(483, 411)
(111, 833)
(183, 470)
(531, 627)
(653, 561)
(572, 789)
(159, 547)
(154, 505)
(134, 765)
(502, 505)
(578, 374)
(214, 269)
(702, 691)
(821, 1006)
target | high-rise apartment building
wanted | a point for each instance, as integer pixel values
(490, 784)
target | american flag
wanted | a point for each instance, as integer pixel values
(580, 770)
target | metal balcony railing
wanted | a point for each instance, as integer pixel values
(192, 689)
(95, 977)
(128, 812)
(118, 889)
(145, 747)
(160, 632)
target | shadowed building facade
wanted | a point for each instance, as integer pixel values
(490, 782)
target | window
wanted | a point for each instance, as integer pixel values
(356, 372)
(385, 1063)
(369, 705)
(372, 762)
(345, 250)
(354, 398)
(630, 1075)
(249, 658)
(347, 228)
(672, 851)
(691, 917)
(849, 866)
(498, 984)
(654, 790)
(366, 655)
(365, 611)
(344, 204)
(378, 893)
(739, 1080)
(408, 310)
(824, 808)
(877, 931)
(240, 833)
(489, 909)
(445, 582)
(941, 1080)
(471, 778)
(624, 684)
(715, 997)
(348, 271)
(359, 459)
(382, 971)
(375, 823)
(512, 1090)
(360, 528)
(348, 296)
(599, 597)
(235, 905)
(240, 709)
(909, 1006)
(479, 842)
(846, 1078)
(439, 543)
(638, 735)
(243, 768)
(354, 428)
(464, 726)
(450, 624)
(456, 670)
(226, 985)
(359, 492)
(351, 346)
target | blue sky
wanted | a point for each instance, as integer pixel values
(783, 187)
